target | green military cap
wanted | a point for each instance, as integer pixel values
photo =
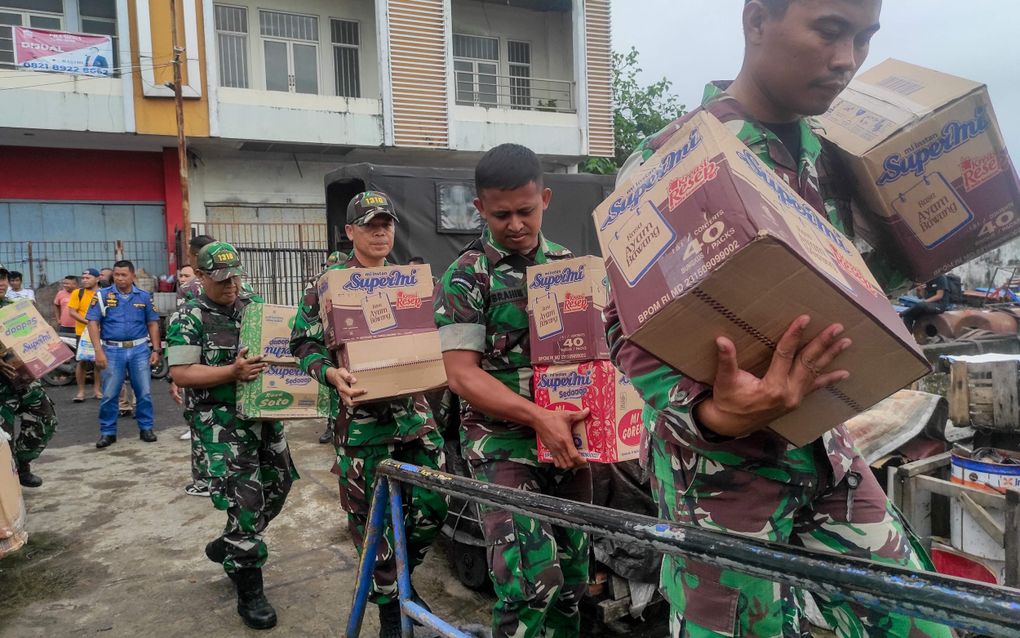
(220, 261)
(364, 207)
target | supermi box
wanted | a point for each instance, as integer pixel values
(283, 391)
(265, 331)
(28, 343)
(705, 240)
(565, 302)
(929, 161)
(389, 367)
(612, 431)
(365, 303)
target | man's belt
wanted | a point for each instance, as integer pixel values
(125, 344)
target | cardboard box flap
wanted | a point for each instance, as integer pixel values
(393, 352)
(910, 84)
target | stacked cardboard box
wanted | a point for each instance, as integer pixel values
(706, 240)
(28, 343)
(379, 324)
(282, 391)
(570, 356)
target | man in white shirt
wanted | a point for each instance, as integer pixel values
(16, 291)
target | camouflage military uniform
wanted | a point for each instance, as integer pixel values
(248, 462)
(364, 436)
(187, 292)
(38, 417)
(539, 572)
(821, 496)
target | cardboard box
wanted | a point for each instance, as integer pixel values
(612, 432)
(265, 330)
(565, 302)
(705, 240)
(365, 303)
(929, 161)
(390, 367)
(12, 506)
(29, 343)
(283, 392)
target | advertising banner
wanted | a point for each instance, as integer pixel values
(60, 52)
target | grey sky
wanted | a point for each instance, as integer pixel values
(693, 41)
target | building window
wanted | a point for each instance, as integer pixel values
(232, 45)
(290, 43)
(38, 14)
(99, 17)
(476, 66)
(346, 38)
(518, 54)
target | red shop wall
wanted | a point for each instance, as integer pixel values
(60, 174)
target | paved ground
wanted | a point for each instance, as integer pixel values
(116, 546)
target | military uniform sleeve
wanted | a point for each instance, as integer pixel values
(670, 394)
(306, 340)
(184, 336)
(460, 306)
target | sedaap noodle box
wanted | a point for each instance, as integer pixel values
(28, 343)
(281, 392)
(265, 331)
(365, 303)
(612, 431)
(930, 165)
(704, 240)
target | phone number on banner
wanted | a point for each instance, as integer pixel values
(65, 68)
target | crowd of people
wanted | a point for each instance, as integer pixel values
(713, 459)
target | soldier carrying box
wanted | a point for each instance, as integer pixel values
(248, 462)
(367, 434)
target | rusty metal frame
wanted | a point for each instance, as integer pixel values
(964, 604)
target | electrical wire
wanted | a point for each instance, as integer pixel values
(79, 79)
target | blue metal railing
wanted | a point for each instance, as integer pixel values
(959, 603)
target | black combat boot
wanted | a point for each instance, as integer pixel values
(216, 550)
(389, 620)
(26, 477)
(254, 609)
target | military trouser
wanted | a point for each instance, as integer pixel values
(424, 510)
(539, 571)
(38, 419)
(199, 466)
(708, 601)
(251, 473)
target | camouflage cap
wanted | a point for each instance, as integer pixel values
(364, 207)
(220, 261)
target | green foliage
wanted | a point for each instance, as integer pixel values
(639, 111)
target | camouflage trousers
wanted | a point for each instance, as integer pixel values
(539, 572)
(708, 601)
(251, 473)
(38, 419)
(199, 466)
(424, 510)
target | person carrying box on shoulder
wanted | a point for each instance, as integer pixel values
(539, 571)
(367, 434)
(248, 462)
(715, 462)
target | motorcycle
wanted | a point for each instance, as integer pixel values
(64, 373)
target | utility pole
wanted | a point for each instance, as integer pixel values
(182, 151)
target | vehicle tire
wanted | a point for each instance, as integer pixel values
(471, 566)
(59, 376)
(161, 369)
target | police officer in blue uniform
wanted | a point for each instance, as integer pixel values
(124, 326)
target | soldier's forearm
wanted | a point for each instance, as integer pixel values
(487, 394)
(196, 375)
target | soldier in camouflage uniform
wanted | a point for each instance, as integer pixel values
(539, 571)
(38, 417)
(715, 462)
(365, 435)
(248, 462)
